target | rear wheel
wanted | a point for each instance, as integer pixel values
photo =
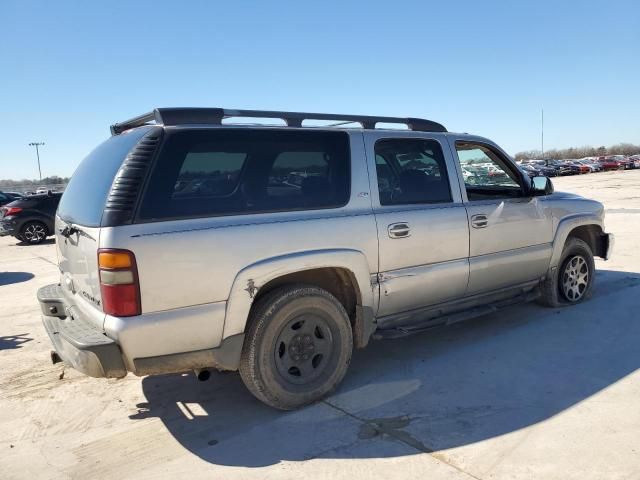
(33, 232)
(297, 348)
(573, 281)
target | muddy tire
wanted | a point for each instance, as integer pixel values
(297, 347)
(572, 282)
(33, 232)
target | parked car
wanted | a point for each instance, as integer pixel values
(626, 163)
(530, 170)
(30, 219)
(608, 164)
(15, 195)
(542, 167)
(593, 166)
(281, 279)
(563, 168)
(582, 168)
(8, 197)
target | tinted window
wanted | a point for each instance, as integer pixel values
(411, 171)
(84, 198)
(228, 172)
(209, 173)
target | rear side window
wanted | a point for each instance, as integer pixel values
(84, 198)
(203, 173)
(411, 171)
(209, 173)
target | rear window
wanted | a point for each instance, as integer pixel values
(203, 173)
(84, 198)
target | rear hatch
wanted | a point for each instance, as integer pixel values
(79, 219)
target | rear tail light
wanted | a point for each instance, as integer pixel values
(8, 211)
(119, 284)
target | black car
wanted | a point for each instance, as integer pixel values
(542, 169)
(30, 219)
(530, 170)
(8, 197)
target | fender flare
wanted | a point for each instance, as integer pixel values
(250, 279)
(566, 225)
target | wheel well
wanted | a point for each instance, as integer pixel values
(340, 282)
(592, 236)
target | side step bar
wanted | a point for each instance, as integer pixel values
(450, 319)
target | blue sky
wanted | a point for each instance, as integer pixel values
(70, 69)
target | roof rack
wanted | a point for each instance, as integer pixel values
(214, 116)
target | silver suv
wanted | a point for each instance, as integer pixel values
(186, 242)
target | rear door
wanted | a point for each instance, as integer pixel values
(81, 207)
(422, 223)
(511, 231)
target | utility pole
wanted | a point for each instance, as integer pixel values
(37, 144)
(542, 131)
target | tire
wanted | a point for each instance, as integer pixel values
(33, 232)
(297, 347)
(573, 280)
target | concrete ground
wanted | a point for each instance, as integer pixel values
(525, 393)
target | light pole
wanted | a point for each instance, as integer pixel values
(542, 131)
(37, 144)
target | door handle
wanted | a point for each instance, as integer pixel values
(399, 230)
(479, 221)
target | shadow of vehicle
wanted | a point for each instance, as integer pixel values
(447, 388)
(8, 278)
(10, 342)
(46, 241)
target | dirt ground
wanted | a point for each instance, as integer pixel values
(525, 393)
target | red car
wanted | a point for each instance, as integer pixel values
(608, 164)
(583, 168)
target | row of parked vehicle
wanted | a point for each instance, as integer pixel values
(556, 168)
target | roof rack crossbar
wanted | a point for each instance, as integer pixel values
(214, 116)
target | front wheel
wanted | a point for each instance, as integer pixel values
(573, 280)
(297, 348)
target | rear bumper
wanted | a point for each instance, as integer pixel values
(88, 349)
(77, 342)
(7, 227)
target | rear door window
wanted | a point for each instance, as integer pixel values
(202, 173)
(411, 171)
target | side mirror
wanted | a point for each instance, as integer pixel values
(541, 186)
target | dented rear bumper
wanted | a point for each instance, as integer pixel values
(76, 341)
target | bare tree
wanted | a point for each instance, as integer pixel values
(580, 152)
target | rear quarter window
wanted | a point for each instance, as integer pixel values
(84, 198)
(201, 173)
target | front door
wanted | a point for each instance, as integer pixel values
(422, 223)
(510, 231)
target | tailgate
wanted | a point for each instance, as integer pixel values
(78, 262)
